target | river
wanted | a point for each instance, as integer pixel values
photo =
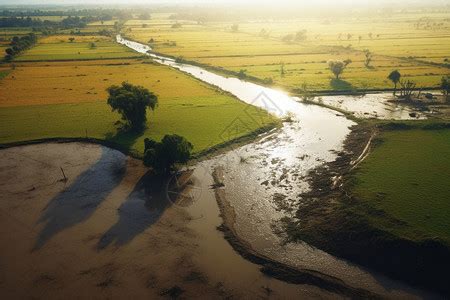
(259, 174)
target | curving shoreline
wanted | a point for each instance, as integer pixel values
(271, 267)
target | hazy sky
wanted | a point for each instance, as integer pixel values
(259, 2)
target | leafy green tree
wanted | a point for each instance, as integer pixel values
(337, 66)
(131, 102)
(163, 156)
(395, 76)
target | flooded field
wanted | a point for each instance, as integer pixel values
(378, 106)
(116, 235)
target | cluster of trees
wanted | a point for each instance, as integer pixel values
(99, 13)
(299, 36)
(349, 36)
(407, 87)
(177, 25)
(19, 44)
(131, 102)
(66, 23)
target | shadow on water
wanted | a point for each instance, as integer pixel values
(79, 201)
(340, 85)
(142, 208)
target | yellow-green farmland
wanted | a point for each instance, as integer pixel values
(297, 51)
(68, 99)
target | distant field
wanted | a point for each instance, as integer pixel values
(86, 81)
(68, 99)
(394, 41)
(8, 33)
(79, 49)
(61, 38)
(407, 177)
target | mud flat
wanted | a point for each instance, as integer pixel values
(108, 231)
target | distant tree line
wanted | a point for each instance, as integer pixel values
(103, 14)
(66, 23)
(19, 44)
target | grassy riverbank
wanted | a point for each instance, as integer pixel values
(393, 219)
(407, 177)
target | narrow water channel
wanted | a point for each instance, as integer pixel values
(262, 179)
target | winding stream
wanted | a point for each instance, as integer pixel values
(263, 180)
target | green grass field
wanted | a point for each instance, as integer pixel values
(195, 118)
(407, 177)
(76, 50)
(394, 41)
(68, 99)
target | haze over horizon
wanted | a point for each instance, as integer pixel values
(356, 3)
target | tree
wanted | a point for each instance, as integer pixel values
(242, 74)
(337, 66)
(287, 38)
(301, 35)
(395, 76)
(368, 58)
(445, 87)
(162, 156)
(71, 39)
(92, 45)
(282, 70)
(407, 89)
(235, 27)
(131, 102)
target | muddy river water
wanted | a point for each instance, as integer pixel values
(263, 179)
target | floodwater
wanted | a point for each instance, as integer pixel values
(263, 180)
(110, 232)
(378, 106)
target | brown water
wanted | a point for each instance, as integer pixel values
(263, 180)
